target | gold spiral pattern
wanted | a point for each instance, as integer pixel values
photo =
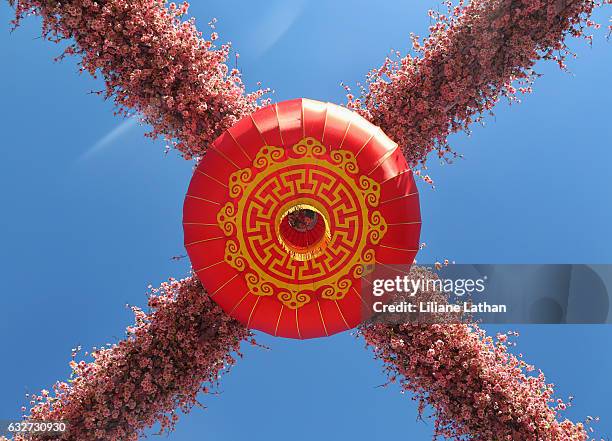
(306, 175)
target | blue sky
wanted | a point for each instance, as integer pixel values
(91, 214)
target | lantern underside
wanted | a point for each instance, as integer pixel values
(287, 211)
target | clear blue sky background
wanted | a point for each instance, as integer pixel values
(88, 219)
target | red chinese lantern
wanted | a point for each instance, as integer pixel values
(290, 207)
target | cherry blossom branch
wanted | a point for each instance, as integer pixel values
(153, 63)
(471, 58)
(184, 342)
(478, 390)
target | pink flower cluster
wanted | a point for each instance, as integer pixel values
(478, 390)
(153, 63)
(186, 340)
(474, 55)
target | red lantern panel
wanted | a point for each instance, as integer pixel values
(290, 207)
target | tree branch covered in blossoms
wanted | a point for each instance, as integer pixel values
(474, 55)
(153, 63)
(184, 342)
(478, 390)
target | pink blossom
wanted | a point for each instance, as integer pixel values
(177, 350)
(477, 389)
(153, 63)
(474, 55)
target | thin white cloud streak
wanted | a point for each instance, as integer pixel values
(273, 26)
(108, 139)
